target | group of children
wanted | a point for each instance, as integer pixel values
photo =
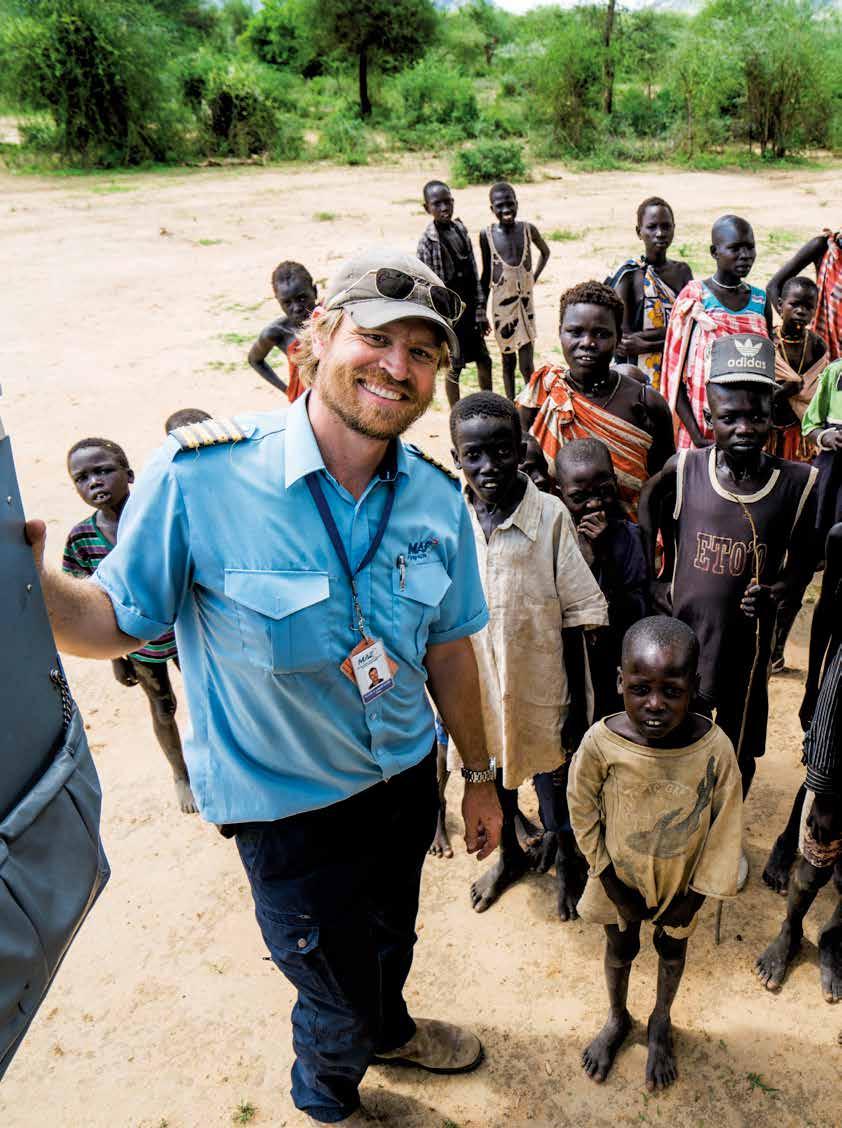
(646, 519)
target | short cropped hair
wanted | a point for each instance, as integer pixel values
(584, 452)
(430, 185)
(591, 293)
(653, 202)
(500, 186)
(286, 272)
(185, 416)
(487, 404)
(727, 221)
(662, 632)
(106, 444)
(803, 283)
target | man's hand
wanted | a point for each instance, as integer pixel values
(758, 600)
(35, 532)
(823, 820)
(483, 819)
(681, 909)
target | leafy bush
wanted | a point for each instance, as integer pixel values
(279, 34)
(564, 79)
(99, 67)
(488, 161)
(432, 105)
(343, 138)
(644, 115)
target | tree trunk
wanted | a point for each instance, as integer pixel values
(365, 101)
(608, 67)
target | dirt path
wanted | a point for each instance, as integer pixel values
(129, 297)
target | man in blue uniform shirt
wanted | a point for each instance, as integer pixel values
(295, 554)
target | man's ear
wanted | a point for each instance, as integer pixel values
(130, 475)
(713, 250)
(778, 303)
(318, 344)
(454, 454)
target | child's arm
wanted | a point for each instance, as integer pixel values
(801, 559)
(811, 254)
(663, 439)
(543, 250)
(826, 615)
(715, 874)
(276, 335)
(685, 413)
(814, 422)
(767, 313)
(654, 512)
(485, 252)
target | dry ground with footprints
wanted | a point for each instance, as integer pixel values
(130, 296)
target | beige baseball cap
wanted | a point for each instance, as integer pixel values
(383, 284)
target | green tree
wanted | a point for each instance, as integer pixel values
(279, 33)
(384, 33)
(564, 80)
(97, 66)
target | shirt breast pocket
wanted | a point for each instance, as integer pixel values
(283, 617)
(416, 595)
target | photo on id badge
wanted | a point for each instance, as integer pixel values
(372, 672)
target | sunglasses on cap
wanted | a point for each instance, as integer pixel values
(399, 286)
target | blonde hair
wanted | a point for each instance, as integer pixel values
(326, 326)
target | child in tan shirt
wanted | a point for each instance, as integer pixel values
(655, 803)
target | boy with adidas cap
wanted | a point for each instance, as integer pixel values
(294, 553)
(738, 531)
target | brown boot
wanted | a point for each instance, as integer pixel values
(438, 1047)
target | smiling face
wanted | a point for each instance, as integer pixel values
(733, 248)
(657, 684)
(657, 230)
(296, 297)
(488, 452)
(439, 204)
(101, 480)
(740, 417)
(504, 206)
(587, 487)
(797, 309)
(588, 339)
(378, 381)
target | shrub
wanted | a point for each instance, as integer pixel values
(488, 161)
(565, 83)
(432, 105)
(343, 138)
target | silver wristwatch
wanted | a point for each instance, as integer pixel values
(487, 775)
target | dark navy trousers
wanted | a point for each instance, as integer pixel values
(336, 896)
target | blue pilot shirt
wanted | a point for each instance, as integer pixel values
(226, 543)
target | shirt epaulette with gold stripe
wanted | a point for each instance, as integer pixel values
(211, 432)
(432, 461)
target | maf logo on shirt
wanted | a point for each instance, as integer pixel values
(418, 550)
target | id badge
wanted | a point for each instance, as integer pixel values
(370, 667)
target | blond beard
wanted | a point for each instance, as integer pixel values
(337, 387)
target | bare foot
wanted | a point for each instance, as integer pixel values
(770, 967)
(571, 874)
(830, 962)
(184, 797)
(598, 1057)
(441, 847)
(509, 868)
(529, 834)
(776, 873)
(661, 1069)
(542, 852)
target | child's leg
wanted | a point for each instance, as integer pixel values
(571, 870)
(484, 373)
(441, 847)
(804, 885)
(511, 864)
(830, 946)
(661, 1069)
(154, 680)
(526, 362)
(776, 873)
(509, 374)
(451, 385)
(621, 949)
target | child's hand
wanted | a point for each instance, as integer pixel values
(758, 600)
(632, 344)
(681, 909)
(823, 820)
(593, 525)
(833, 441)
(123, 671)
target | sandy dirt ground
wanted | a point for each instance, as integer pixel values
(129, 297)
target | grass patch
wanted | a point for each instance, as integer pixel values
(782, 240)
(757, 1082)
(208, 242)
(235, 338)
(244, 1113)
(564, 235)
(222, 366)
(324, 217)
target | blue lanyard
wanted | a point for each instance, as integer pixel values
(315, 488)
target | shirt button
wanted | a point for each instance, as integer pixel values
(302, 943)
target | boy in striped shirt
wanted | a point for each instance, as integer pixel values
(100, 471)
